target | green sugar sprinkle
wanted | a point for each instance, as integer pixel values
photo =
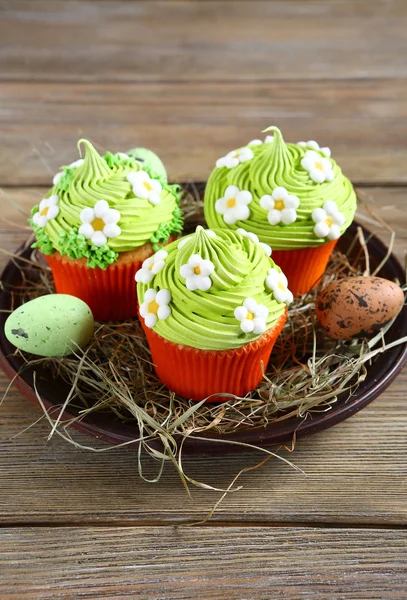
(74, 245)
(43, 241)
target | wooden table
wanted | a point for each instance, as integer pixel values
(191, 80)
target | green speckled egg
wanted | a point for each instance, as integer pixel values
(52, 325)
(150, 162)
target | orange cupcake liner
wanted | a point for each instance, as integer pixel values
(197, 374)
(110, 293)
(304, 267)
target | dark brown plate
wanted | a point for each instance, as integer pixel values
(107, 427)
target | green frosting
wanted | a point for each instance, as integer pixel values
(74, 245)
(205, 319)
(105, 178)
(166, 229)
(42, 242)
(278, 164)
(150, 162)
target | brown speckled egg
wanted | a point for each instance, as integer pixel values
(357, 306)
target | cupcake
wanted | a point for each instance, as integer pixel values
(212, 312)
(102, 218)
(294, 197)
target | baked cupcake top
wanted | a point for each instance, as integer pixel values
(100, 206)
(212, 290)
(289, 195)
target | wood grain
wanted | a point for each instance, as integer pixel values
(355, 473)
(191, 124)
(200, 41)
(187, 563)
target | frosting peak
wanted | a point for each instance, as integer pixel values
(231, 262)
(285, 183)
(207, 276)
(93, 162)
(277, 138)
(100, 206)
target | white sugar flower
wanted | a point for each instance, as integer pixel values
(184, 240)
(268, 139)
(277, 283)
(328, 220)
(155, 306)
(151, 266)
(318, 167)
(252, 316)
(234, 205)
(234, 158)
(99, 223)
(76, 163)
(197, 273)
(145, 187)
(123, 155)
(252, 236)
(313, 145)
(48, 209)
(281, 206)
(57, 177)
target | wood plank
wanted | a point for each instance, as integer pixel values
(191, 124)
(185, 563)
(355, 473)
(200, 41)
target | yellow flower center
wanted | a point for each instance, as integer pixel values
(231, 202)
(250, 316)
(319, 166)
(151, 267)
(44, 211)
(147, 186)
(98, 224)
(281, 286)
(279, 204)
(197, 270)
(153, 307)
(329, 221)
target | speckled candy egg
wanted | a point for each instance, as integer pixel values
(150, 162)
(357, 306)
(52, 325)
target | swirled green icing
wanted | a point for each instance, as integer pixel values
(273, 165)
(166, 229)
(206, 320)
(105, 178)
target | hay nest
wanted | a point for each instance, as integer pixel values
(307, 371)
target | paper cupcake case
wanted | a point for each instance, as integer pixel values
(110, 293)
(196, 374)
(304, 267)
